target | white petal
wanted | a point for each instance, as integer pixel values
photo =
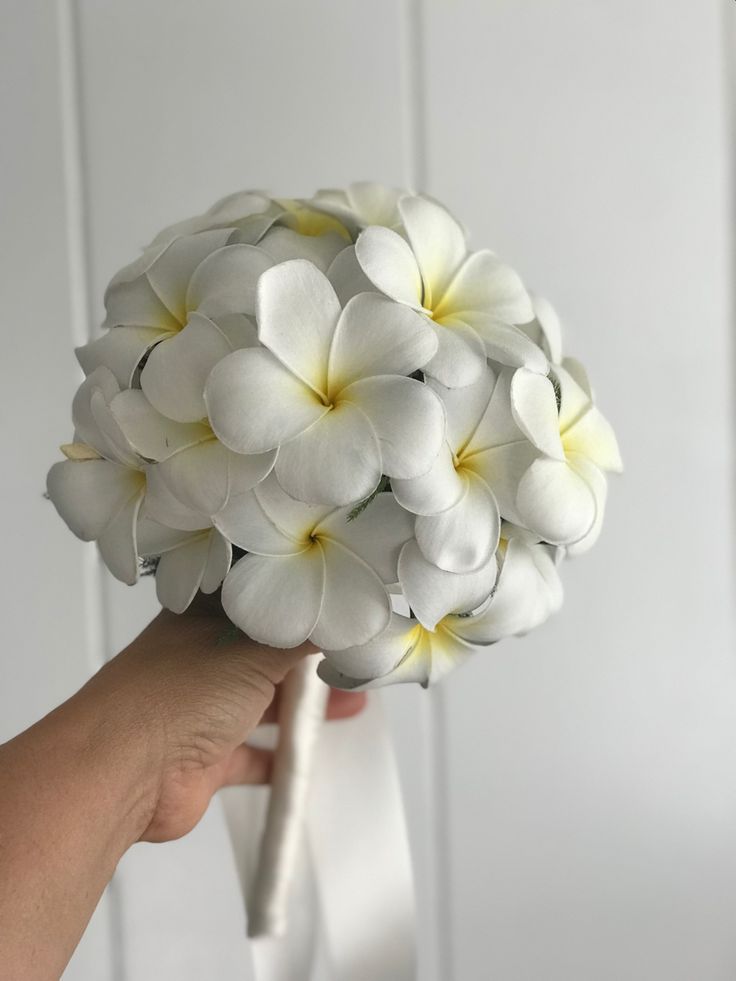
(599, 486)
(374, 659)
(376, 336)
(556, 502)
(463, 538)
(171, 272)
(120, 349)
(283, 244)
(376, 534)
(528, 591)
(219, 558)
(465, 407)
(336, 461)
(408, 420)
(179, 573)
(432, 593)
(161, 505)
(276, 600)
(534, 407)
(117, 543)
(356, 606)
(201, 476)
(347, 276)
(152, 435)
(89, 494)
(155, 538)
(549, 327)
(137, 304)
(373, 203)
(177, 369)
(245, 522)
(574, 400)
(576, 370)
(254, 403)
(297, 313)
(390, 265)
(461, 356)
(437, 241)
(268, 521)
(507, 344)
(484, 283)
(226, 281)
(592, 436)
(437, 490)
(502, 468)
(103, 383)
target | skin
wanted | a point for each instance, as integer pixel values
(135, 755)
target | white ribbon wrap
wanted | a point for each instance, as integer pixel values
(351, 903)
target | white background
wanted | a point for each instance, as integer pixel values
(571, 796)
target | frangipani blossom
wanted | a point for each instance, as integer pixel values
(472, 300)
(328, 389)
(195, 466)
(250, 212)
(98, 490)
(362, 204)
(474, 480)
(410, 650)
(185, 305)
(561, 496)
(191, 553)
(312, 572)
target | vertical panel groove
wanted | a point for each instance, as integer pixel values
(729, 82)
(96, 619)
(435, 710)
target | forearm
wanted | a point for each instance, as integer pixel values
(75, 793)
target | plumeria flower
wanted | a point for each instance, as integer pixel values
(312, 571)
(362, 204)
(475, 477)
(191, 554)
(250, 212)
(561, 496)
(472, 300)
(328, 389)
(425, 647)
(195, 466)
(99, 489)
(183, 307)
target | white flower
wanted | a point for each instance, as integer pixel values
(198, 470)
(362, 204)
(475, 477)
(250, 212)
(472, 299)
(311, 572)
(186, 304)
(561, 496)
(414, 649)
(188, 561)
(99, 489)
(328, 389)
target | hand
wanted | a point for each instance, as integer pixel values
(136, 754)
(199, 687)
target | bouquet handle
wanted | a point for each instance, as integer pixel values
(301, 713)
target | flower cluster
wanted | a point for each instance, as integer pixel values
(378, 419)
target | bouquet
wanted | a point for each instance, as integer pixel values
(363, 431)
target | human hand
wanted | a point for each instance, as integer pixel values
(198, 687)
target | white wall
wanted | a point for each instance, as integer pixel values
(571, 796)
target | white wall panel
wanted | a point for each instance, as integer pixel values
(50, 612)
(592, 826)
